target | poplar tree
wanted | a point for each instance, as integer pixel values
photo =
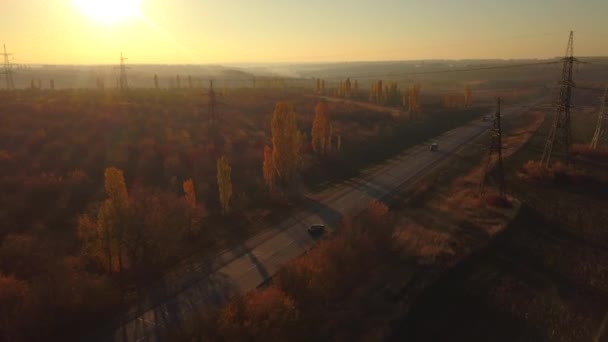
(321, 129)
(224, 183)
(286, 142)
(468, 96)
(268, 168)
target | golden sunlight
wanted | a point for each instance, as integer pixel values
(109, 11)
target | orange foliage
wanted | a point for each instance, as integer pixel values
(265, 315)
(321, 129)
(286, 142)
(189, 193)
(268, 168)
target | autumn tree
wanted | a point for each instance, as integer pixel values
(103, 239)
(190, 197)
(268, 168)
(189, 193)
(414, 99)
(113, 214)
(468, 96)
(321, 138)
(224, 183)
(265, 315)
(286, 142)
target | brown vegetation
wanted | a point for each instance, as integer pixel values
(306, 299)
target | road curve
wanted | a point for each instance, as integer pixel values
(255, 261)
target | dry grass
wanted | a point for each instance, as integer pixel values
(556, 173)
(424, 244)
(599, 154)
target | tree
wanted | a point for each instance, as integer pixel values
(286, 142)
(224, 183)
(468, 96)
(52, 84)
(268, 168)
(264, 315)
(189, 193)
(414, 98)
(356, 89)
(112, 216)
(156, 81)
(321, 129)
(179, 82)
(190, 85)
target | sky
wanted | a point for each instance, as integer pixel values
(265, 31)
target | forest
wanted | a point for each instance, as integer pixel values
(103, 191)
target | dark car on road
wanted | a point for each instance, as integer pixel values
(316, 230)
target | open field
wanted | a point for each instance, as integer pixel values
(544, 278)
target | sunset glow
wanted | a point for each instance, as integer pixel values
(109, 11)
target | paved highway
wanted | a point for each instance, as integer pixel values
(195, 286)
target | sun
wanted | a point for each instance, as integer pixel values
(109, 11)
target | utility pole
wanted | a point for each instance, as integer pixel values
(601, 135)
(212, 104)
(123, 81)
(560, 134)
(8, 70)
(495, 148)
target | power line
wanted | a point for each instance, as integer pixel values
(560, 134)
(495, 148)
(123, 82)
(212, 104)
(8, 70)
(601, 134)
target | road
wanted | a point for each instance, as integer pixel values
(256, 260)
(394, 111)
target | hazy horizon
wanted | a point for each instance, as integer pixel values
(93, 32)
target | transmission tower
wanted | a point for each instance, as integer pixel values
(8, 70)
(560, 136)
(123, 81)
(495, 148)
(601, 135)
(212, 104)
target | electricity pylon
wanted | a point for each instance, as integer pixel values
(495, 148)
(560, 135)
(601, 135)
(212, 104)
(123, 82)
(8, 70)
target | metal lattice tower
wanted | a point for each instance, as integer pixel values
(123, 81)
(212, 104)
(495, 148)
(559, 138)
(601, 134)
(8, 70)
